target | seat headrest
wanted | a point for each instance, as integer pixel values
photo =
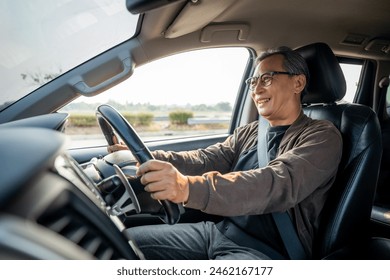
(327, 83)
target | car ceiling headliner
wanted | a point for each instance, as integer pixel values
(270, 23)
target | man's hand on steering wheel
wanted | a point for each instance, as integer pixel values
(117, 147)
(164, 181)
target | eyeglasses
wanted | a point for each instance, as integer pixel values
(265, 79)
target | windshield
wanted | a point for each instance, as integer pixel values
(42, 39)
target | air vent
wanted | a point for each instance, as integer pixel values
(71, 224)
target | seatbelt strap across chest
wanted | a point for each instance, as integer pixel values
(282, 220)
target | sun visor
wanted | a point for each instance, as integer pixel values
(195, 15)
(142, 6)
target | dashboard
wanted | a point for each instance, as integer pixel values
(49, 207)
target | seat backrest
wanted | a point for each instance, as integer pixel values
(346, 214)
(383, 189)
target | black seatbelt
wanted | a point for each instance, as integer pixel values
(283, 222)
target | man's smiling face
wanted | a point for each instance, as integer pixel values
(278, 102)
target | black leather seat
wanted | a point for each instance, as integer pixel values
(383, 190)
(344, 226)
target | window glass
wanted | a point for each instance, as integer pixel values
(42, 39)
(188, 94)
(352, 77)
(388, 101)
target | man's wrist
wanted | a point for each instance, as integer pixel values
(186, 191)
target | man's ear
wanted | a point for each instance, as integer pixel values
(300, 83)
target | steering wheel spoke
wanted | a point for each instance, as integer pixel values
(128, 201)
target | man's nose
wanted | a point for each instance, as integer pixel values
(258, 88)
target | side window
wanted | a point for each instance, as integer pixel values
(189, 94)
(352, 73)
(388, 101)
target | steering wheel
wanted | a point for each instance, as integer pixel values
(112, 123)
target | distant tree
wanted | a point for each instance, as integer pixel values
(200, 108)
(40, 78)
(223, 106)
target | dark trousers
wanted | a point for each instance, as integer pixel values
(198, 241)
